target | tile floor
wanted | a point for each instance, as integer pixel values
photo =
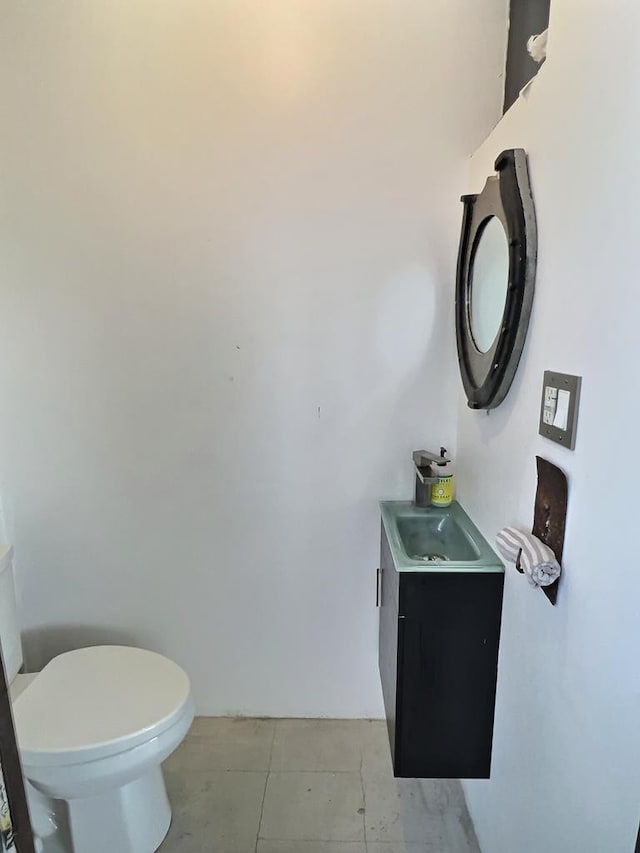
(305, 786)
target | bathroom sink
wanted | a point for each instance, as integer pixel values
(436, 539)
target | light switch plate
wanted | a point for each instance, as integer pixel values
(559, 408)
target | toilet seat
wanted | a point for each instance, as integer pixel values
(97, 702)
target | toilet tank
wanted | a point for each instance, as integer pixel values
(9, 626)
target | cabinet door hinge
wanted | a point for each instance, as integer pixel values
(378, 587)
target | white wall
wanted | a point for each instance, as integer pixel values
(227, 246)
(566, 760)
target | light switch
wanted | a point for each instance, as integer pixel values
(559, 407)
(562, 409)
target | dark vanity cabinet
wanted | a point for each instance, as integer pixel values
(438, 656)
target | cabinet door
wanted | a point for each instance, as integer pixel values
(389, 639)
(450, 646)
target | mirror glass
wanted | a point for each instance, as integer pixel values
(489, 283)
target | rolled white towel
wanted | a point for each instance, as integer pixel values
(537, 560)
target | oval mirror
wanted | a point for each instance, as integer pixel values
(495, 280)
(489, 283)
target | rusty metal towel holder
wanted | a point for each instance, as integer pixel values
(550, 515)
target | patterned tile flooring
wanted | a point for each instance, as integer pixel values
(305, 786)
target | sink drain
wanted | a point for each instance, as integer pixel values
(430, 558)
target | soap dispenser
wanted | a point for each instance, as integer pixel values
(442, 488)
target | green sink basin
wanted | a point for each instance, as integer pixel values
(436, 539)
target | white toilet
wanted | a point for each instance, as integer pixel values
(93, 728)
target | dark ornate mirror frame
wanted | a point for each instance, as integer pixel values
(487, 376)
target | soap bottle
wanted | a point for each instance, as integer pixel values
(442, 489)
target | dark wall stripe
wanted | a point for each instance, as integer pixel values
(526, 18)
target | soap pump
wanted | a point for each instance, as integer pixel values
(442, 487)
(430, 471)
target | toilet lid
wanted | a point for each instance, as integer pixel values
(94, 702)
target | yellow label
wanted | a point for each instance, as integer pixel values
(442, 491)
